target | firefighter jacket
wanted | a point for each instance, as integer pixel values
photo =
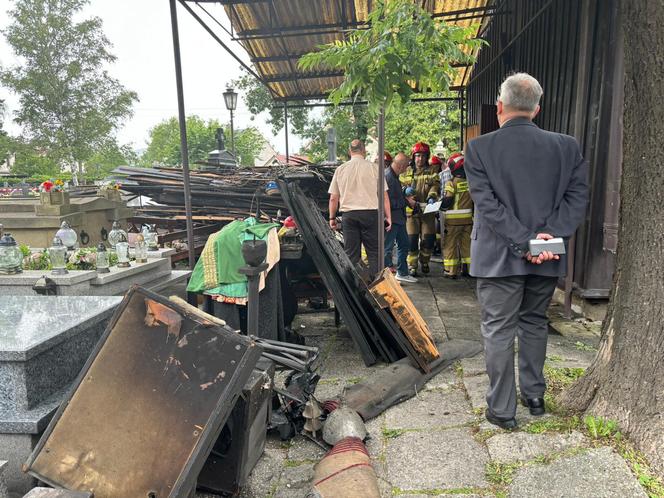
(458, 201)
(425, 182)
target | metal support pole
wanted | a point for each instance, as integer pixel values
(184, 151)
(286, 130)
(569, 278)
(461, 120)
(381, 188)
(232, 138)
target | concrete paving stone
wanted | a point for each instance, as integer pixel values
(265, 476)
(474, 366)
(302, 448)
(446, 379)
(476, 387)
(436, 460)
(568, 353)
(598, 473)
(435, 324)
(329, 390)
(297, 477)
(522, 446)
(346, 366)
(430, 409)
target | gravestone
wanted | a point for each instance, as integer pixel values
(44, 343)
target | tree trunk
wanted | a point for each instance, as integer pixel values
(626, 380)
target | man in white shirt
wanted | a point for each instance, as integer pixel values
(353, 193)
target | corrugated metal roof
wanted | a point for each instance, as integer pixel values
(276, 33)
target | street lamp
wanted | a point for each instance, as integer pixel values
(230, 99)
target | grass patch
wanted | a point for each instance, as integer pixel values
(500, 474)
(553, 424)
(354, 380)
(482, 436)
(554, 357)
(558, 379)
(392, 433)
(458, 369)
(584, 347)
(601, 428)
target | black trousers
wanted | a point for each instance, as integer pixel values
(361, 228)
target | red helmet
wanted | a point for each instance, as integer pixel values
(455, 161)
(388, 158)
(420, 148)
(435, 161)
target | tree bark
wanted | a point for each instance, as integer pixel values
(626, 380)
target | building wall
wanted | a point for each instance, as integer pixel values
(574, 48)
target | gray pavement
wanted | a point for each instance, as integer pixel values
(438, 442)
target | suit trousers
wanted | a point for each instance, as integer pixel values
(360, 228)
(514, 306)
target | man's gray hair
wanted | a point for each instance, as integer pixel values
(520, 92)
(357, 145)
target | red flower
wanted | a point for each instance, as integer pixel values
(46, 186)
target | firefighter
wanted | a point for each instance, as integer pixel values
(458, 207)
(422, 185)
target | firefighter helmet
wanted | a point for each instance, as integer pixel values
(455, 162)
(420, 148)
(435, 161)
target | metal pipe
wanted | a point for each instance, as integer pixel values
(461, 119)
(224, 46)
(569, 279)
(184, 151)
(381, 188)
(232, 138)
(286, 130)
(364, 102)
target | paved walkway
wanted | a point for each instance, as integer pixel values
(438, 442)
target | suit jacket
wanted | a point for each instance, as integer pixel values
(523, 181)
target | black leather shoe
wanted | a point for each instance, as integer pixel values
(504, 423)
(535, 405)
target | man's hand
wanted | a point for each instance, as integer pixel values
(544, 256)
(388, 224)
(333, 224)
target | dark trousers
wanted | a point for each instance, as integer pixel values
(514, 306)
(361, 228)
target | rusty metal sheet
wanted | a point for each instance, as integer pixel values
(148, 405)
(389, 294)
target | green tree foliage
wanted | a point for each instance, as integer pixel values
(164, 145)
(104, 161)
(405, 124)
(68, 103)
(30, 161)
(402, 51)
(258, 99)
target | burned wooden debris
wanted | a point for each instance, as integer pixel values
(219, 196)
(149, 404)
(375, 333)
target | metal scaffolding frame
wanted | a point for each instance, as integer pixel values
(302, 99)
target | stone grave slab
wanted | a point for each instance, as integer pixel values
(430, 409)
(522, 446)
(598, 473)
(447, 459)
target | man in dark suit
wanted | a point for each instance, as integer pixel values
(526, 184)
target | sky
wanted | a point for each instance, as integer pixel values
(140, 32)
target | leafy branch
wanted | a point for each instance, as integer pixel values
(402, 51)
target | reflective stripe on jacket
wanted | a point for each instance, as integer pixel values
(461, 211)
(425, 182)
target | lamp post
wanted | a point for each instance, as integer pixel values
(230, 99)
